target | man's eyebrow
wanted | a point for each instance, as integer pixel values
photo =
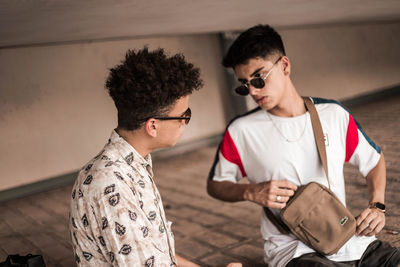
(256, 71)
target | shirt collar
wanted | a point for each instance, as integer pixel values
(127, 151)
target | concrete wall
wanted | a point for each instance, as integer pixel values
(55, 113)
(343, 61)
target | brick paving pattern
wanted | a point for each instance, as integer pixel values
(207, 231)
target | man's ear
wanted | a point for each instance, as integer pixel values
(286, 65)
(151, 126)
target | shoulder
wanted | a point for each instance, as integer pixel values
(330, 108)
(100, 176)
(329, 104)
(245, 120)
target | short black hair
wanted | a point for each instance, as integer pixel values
(147, 84)
(258, 41)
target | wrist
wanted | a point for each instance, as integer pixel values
(379, 206)
(247, 192)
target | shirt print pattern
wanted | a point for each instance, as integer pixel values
(117, 217)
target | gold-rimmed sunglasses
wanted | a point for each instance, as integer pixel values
(257, 82)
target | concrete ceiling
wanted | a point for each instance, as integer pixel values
(25, 22)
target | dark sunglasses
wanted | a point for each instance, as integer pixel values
(185, 116)
(257, 82)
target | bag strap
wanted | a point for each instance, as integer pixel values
(318, 134)
(319, 140)
(277, 222)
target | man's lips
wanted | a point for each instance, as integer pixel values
(260, 100)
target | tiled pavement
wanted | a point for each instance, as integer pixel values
(207, 231)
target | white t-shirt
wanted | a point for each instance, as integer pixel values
(255, 146)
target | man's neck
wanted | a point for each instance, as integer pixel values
(291, 104)
(137, 140)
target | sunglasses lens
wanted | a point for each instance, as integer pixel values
(257, 82)
(242, 90)
(188, 115)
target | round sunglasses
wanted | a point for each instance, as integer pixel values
(257, 82)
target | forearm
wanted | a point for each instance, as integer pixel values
(376, 181)
(182, 262)
(371, 220)
(227, 191)
(272, 194)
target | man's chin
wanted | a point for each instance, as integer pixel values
(267, 106)
(172, 144)
(265, 103)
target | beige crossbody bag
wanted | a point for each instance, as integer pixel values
(314, 214)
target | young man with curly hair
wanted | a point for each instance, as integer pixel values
(273, 146)
(117, 216)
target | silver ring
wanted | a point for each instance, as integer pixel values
(278, 198)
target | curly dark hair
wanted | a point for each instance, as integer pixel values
(258, 41)
(147, 84)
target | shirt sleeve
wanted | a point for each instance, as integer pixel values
(124, 229)
(228, 165)
(361, 151)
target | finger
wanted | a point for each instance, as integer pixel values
(281, 199)
(278, 198)
(362, 228)
(284, 192)
(378, 223)
(363, 215)
(272, 197)
(275, 205)
(363, 225)
(379, 227)
(368, 224)
(371, 229)
(286, 184)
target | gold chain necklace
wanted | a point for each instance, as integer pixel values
(279, 131)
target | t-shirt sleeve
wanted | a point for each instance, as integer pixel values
(228, 165)
(361, 151)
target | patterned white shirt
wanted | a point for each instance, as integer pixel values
(117, 216)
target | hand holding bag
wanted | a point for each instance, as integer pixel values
(314, 214)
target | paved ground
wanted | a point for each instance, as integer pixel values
(207, 231)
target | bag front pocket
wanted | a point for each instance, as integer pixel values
(319, 219)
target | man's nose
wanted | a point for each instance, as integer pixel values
(253, 90)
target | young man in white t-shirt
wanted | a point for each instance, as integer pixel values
(274, 147)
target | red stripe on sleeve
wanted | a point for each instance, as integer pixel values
(230, 152)
(351, 138)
